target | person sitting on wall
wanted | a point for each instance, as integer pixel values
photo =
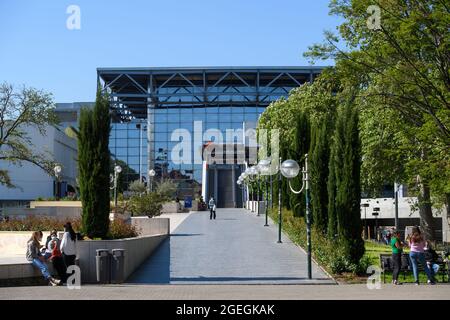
(431, 258)
(56, 257)
(37, 259)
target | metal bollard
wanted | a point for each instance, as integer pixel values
(118, 266)
(103, 263)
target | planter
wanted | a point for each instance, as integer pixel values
(171, 207)
(137, 250)
(152, 232)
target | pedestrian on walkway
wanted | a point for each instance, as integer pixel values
(212, 208)
(416, 255)
(68, 245)
(397, 250)
(34, 255)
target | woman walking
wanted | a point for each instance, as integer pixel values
(397, 250)
(67, 246)
(416, 255)
(34, 255)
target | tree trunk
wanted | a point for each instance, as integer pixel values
(426, 214)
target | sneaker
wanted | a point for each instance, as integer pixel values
(416, 283)
(58, 282)
(52, 283)
(397, 283)
(431, 282)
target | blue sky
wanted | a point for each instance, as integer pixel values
(38, 50)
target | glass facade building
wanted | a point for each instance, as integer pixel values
(149, 105)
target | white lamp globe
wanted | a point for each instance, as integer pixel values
(290, 168)
(264, 166)
(57, 169)
(118, 169)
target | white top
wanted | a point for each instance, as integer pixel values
(67, 245)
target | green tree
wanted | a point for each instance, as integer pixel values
(401, 68)
(94, 167)
(348, 191)
(19, 111)
(319, 156)
(149, 204)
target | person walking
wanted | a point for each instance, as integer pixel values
(34, 255)
(397, 250)
(212, 208)
(68, 245)
(416, 255)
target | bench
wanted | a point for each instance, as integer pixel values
(387, 264)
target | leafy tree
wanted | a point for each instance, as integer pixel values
(149, 204)
(167, 189)
(137, 187)
(94, 167)
(20, 110)
(402, 73)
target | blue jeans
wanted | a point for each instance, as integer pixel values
(42, 266)
(415, 258)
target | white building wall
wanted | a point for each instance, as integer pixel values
(33, 182)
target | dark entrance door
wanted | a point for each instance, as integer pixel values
(225, 189)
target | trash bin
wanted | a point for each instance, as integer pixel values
(102, 260)
(118, 266)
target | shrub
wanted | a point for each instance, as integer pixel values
(37, 223)
(137, 187)
(149, 204)
(330, 254)
(167, 189)
(119, 229)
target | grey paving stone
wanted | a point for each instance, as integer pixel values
(235, 248)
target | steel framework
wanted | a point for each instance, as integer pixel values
(136, 92)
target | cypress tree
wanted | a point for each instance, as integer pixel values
(331, 190)
(319, 160)
(94, 166)
(348, 189)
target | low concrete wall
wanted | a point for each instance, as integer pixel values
(152, 230)
(137, 250)
(151, 226)
(21, 270)
(38, 204)
(56, 212)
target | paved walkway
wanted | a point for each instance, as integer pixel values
(235, 248)
(229, 292)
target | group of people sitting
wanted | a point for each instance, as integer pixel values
(61, 253)
(421, 252)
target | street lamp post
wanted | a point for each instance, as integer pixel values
(290, 169)
(396, 187)
(117, 171)
(365, 205)
(264, 168)
(151, 174)
(375, 213)
(57, 169)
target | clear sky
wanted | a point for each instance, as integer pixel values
(37, 49)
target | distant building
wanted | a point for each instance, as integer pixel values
(32, 182)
